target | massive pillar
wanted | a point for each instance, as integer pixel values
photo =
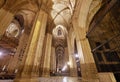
(88, 67)
(46, 63)
(30, 71)
(87, 63)
(53, 60)
(5, 19)
(72, 62)
(43, 21)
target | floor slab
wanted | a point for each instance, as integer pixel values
(53, 79)
(60, 79)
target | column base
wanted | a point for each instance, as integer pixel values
(36, 79)
(91, 80)
(89, 71)
(45, 75)
(73, 72)
(103, 77)
(46, 72)
(107, 77)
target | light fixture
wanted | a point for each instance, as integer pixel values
(22, 30)
(64, 68)
(3, 67)
(76, 55)
(16, 70)
(68, 63)
(77, 60)
(1, 53)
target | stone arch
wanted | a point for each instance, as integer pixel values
(79, 19)
(85, 12)
(94, 8)
(19, 5)
(20, 19)
(100, 13)
(15, 27)
(2, 3)
(62, 29)
(82, 8)
(26, 18)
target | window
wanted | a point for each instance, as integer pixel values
(59, 32)
(112, 56)
(99, 56)
(107, 46)
(12, 30)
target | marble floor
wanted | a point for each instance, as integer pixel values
(60, 79)
(53, 79)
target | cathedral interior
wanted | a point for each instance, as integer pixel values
(59, 40)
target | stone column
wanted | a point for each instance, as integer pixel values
(72, 62)
(5, 19)
(42, 57)
(43, 19)
(30, 71)
(53, 60)
(13, 65)
(46, 65)
(87, 63)
(66, 60)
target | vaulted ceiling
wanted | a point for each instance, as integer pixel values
(60, 12)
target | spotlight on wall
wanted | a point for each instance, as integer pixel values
(64, 68)
(68, 63)
(16, 70)
(3, 67)
(1, 53)
(77, 60)
(76, 55)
